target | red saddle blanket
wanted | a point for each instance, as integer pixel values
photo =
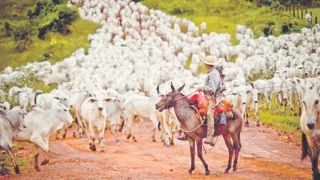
(224, 106)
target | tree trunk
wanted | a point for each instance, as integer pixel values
(64, 29)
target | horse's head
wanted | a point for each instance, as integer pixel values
(167, 101)
(310, 110)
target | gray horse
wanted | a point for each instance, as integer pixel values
(196, 130)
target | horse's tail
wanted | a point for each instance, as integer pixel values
(304, 146)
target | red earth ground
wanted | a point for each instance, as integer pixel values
(263, 156)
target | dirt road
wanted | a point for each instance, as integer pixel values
(262, 156)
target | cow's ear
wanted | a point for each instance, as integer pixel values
(57, 98)
(248, 92)
(92, 100)
(180, 88)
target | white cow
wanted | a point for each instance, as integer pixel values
(46, 101)
(94, 118)
(40, 124)
(264, 88)
(13, 95)
(76, 100)
(5, 106)
(141, 107)
(11, 121)
(169, 126)
(113, 111)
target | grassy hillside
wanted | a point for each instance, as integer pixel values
(223, 15)
(54, 48)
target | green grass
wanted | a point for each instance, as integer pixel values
(315, 12)
(55, 44)
(222, 16)
(282, 120)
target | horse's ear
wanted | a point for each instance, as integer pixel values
(172, 87)
(180, 88)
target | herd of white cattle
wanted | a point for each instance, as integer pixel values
(138, 48)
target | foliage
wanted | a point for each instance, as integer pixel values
(14, 13)
(22, 35)
(52, 16)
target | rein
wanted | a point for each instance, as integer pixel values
(184, 96)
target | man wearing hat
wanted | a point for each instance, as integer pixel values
(212, 84)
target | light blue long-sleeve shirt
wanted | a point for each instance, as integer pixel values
(212, 83)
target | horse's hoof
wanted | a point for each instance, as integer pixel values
(235, 168)
(94, 148)
(258, 124)
(190, 170)
(64, 136)
(207, 172)
(37, 169)
(44, 162)
(154, 140)
(171, 143)
(74, 134)
(117, 140)
(247, 124)
(129, 136)
(57, 138)
(226, 171)
(102, 150)
(167, 145)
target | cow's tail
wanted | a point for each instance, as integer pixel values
(304, 146)
(121, 127)
(159, 126)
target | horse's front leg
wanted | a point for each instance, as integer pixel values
(199, 149)
(227, 140)
(192, 153)
(314, 160)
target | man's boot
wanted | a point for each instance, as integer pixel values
(182, 137)
(209, 140)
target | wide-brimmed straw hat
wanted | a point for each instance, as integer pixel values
(208, 60)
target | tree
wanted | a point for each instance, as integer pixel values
(52, 15)
(22, 34)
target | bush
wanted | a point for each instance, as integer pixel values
(52, 16)
(22, 35)
(8, 29)
(269, 28)
(285, 28)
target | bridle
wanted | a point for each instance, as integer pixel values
(171, 103)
